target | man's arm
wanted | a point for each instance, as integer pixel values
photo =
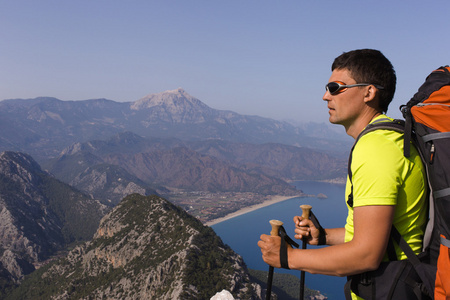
(372, 225)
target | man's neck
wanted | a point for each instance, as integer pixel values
(356, 127)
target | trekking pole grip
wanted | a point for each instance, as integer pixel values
(275, 227)
(306, 211)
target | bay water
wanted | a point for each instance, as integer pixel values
(242, 233)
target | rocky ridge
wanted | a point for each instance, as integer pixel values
(34, 223)
(145, 248)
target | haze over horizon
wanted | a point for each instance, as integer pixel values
(264, 58)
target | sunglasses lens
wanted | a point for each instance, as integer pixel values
(333, 87)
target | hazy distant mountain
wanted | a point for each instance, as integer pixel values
(157, 163)
(146, 248)
(186, 169)
(39, 215)
(110, 183)
(103, 167)
(278, 160)
(43, 127)
(89, 173)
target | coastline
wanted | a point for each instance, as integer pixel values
(244, 210)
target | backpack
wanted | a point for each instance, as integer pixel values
(427, 121)
(427, 275)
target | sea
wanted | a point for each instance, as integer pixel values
(242, 233)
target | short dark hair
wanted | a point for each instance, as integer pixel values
(370, 66)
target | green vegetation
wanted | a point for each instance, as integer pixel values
(286, 286)
(69, 166)
(78, 285)
(208, 266)
(79, 214)
(27, 289)
(8, 186)
(6, 285)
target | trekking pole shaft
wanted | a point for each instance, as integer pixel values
(306, 210)
(274, 232)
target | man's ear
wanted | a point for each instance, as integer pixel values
(372, 98)
(371, 94)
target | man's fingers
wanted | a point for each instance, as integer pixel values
(264, 237)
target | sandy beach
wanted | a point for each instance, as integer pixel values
(244, 210)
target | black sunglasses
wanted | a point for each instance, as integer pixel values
(336, 87)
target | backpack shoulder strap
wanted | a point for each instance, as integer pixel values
(384, 123)
(422, 269)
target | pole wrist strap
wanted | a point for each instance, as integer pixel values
(322, 234)
(285, 240)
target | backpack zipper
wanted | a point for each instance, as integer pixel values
(426, 104)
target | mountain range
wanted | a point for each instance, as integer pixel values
(44, 126)
(127, 162)
(167, 140)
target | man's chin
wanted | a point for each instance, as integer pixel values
(333, 120)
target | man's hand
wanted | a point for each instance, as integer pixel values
(270, 248)
(304, 228)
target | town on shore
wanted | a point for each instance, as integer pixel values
(213, 208)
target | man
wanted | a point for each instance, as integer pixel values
(387, 187)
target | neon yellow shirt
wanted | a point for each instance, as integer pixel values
(381, 175)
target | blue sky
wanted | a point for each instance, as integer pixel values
(267, 58)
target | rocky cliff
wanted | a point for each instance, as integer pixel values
(145, 248)
(39, 216)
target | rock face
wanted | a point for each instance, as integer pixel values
(34, 223)
(145, 248)
(109, 183)
(174, 106)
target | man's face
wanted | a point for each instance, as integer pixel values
(345, 107)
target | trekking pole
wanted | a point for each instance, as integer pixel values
(275, 232)
(306, 209)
